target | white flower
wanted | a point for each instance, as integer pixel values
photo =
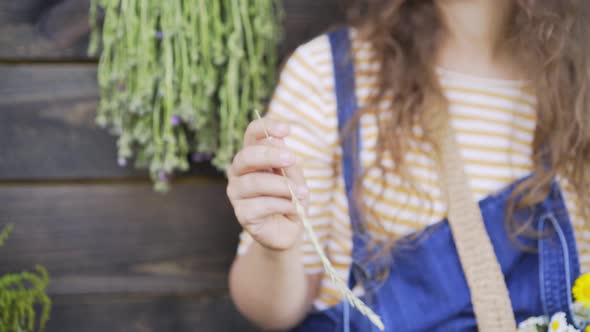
(559, 323)
(533, 324)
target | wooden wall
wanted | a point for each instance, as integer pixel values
(121, 257)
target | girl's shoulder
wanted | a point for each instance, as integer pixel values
(318, 51)
(315, 55)
(305, 96)
(312, 63)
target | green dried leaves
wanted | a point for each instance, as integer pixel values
(20, 294)
(181, 77)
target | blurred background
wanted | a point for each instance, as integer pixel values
(120, 257)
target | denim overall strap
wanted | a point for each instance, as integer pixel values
(347, 105)
(558, 262)
(363, 268)
(368, 266)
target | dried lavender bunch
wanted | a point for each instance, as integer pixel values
(180, 78)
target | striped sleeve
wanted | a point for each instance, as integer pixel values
(302, 100)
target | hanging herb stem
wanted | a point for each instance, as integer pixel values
(181, 77)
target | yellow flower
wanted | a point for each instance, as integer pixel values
(581, 289)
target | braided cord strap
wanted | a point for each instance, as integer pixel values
(489, 293)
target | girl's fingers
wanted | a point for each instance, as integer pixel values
(295, 174)
(264, 184)
(273, 141)
(260, 157)
(254, 210)
(257, 129)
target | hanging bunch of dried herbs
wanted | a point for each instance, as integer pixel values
(20, 294)
(179, 78)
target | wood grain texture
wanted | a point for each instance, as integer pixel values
(47, 127)
(145, 314)
(121, 257)
(121, 238)
(43, 29)
(305, 19)
(58, 29)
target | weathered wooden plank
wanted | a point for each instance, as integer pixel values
(305, 19)
(51, 29)
(43, 29)
(47, 127)
(47, 124)
(146, 314)
(121, 238)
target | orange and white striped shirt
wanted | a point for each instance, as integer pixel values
(494, 121)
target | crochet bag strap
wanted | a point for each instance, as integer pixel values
(489, 293)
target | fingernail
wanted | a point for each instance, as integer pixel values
(281, 129)
(287, 158)
(302, 192)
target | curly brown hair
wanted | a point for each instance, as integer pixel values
(550, 39)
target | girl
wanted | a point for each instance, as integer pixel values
(356, 123)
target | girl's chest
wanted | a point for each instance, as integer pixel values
(495, 133)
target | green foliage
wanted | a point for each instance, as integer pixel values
(182, 77)
(20, 294)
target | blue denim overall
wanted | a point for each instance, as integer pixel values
(425, 289)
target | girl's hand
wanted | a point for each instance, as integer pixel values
(260, 194)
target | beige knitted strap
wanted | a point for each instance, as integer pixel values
(489, 294)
